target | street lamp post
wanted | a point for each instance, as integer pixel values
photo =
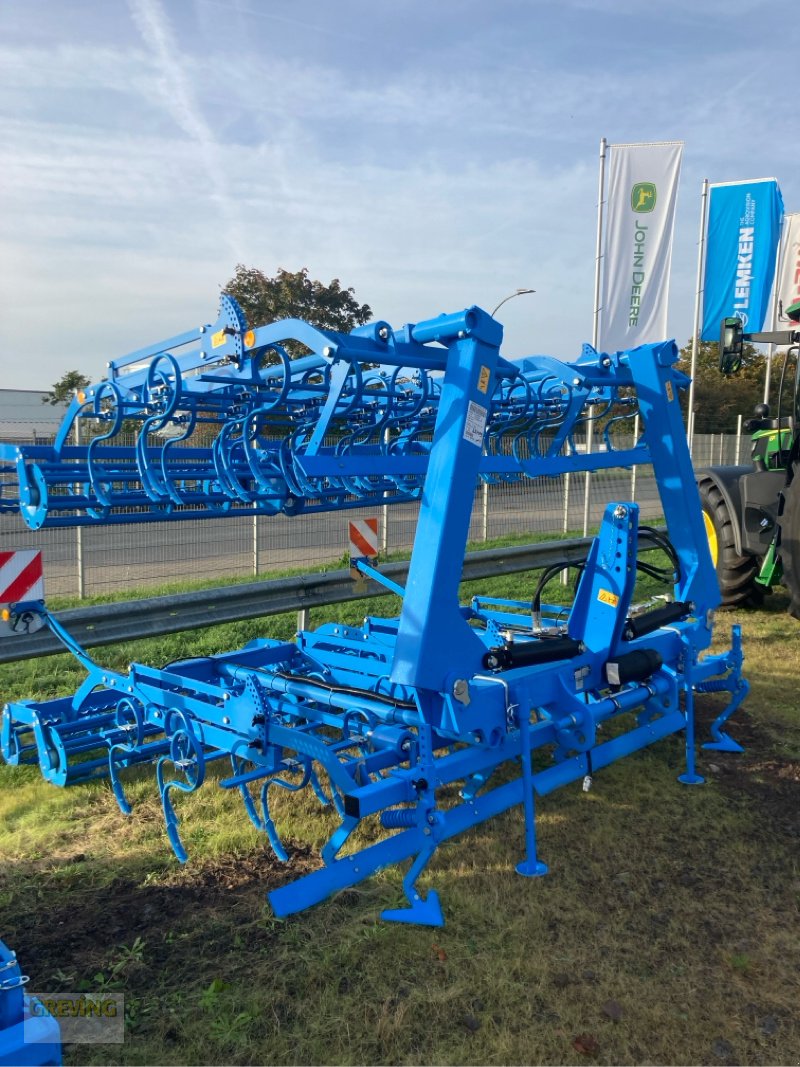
(517, 292)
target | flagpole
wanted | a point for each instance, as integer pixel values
(598, 248)
(775, 294)
(697, 300)
(598, 255)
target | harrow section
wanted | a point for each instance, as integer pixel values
(379, 721)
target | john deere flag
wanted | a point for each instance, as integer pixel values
(787, 276)
(641, 192)
(744, 227)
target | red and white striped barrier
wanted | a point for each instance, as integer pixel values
(363, 542)
(21, 580)
(364, 538)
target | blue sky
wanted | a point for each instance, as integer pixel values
(430, 153)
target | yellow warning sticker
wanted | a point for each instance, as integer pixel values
(670, 392)
(605, 596)
(218, 339)
(483, 379)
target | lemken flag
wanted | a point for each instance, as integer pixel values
(641, 193)
(744, 227)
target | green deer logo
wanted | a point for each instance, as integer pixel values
(643, 197)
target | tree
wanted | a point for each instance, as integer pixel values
(64, 389)
(293, 295)
(718, 400)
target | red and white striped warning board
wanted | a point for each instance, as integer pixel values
(21, 576)
(364, 539)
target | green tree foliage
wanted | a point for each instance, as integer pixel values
(718, 401)
(64, 389)
(293, 295)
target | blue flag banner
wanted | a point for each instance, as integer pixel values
(744, 228)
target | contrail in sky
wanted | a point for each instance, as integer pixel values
(153, 24)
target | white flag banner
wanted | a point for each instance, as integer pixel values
(787, 275)
(641, 192)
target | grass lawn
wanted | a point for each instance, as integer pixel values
(666, 932)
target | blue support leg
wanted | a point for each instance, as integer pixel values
(690, 776)
(531, 866)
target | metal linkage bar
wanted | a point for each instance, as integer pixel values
(383, 719)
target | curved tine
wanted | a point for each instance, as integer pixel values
(126, 710)
(247, 797)
(220, 454)
(547, 421)
(234, 456)
(378, 402)
(316, 785)
(102, 395)
(264, 464)
(158, 384)
(286, 462)
(305, 487)
(118, 752)
(170, 818)
(166, 475)
(154, 488)
(338, 803)
(625, 417)
(182, 743)
(582, 418)
(411, 404)
(269, 824)
(266, 377)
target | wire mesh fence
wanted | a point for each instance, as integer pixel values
(112, 560)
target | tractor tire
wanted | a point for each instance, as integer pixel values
(736, 574)
(789, 522)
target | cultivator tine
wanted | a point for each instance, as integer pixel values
(430, 723)
(732, 683)
(186, 756)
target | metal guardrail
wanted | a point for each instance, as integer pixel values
(108, 624)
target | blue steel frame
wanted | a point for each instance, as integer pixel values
(379, 720)
(29, 1035)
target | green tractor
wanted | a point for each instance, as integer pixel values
(752, 512)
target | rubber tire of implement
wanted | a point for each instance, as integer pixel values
(736, 574)
(789, 523)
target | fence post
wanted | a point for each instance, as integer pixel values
(79, 530)
(385, 508)
(255, 544)
(565, 524)
(302, 619)
(633, 468)
(587, 487)
(738, 439)
(485, 514)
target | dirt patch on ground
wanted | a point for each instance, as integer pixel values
(769, 781)
(187, 913)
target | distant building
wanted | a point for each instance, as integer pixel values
(25, 416)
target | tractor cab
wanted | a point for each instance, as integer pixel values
(771, 442)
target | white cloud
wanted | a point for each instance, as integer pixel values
(136, 175)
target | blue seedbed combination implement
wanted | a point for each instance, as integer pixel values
(426, 724)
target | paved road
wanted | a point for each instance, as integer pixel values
(116, 558)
